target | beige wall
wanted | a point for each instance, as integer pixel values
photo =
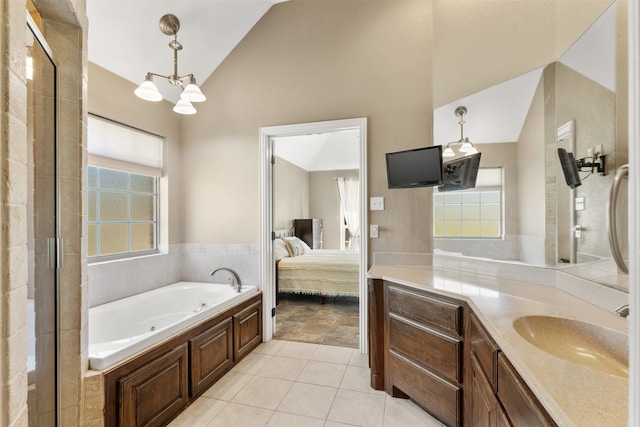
(479, 43)
(112, 97)
(310, 61)
(290, 194)
(324, 202)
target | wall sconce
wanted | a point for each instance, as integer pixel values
(169, 25)
(466, 146)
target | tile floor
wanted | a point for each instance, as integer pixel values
(304, 318)
(295, 384)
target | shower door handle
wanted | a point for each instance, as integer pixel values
(623, 171)
(54, 252)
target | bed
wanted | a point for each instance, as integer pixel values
(322, 272)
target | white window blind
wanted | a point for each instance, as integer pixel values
(116, 146)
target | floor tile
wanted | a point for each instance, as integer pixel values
(299, 350)
(269, 347)
(252, 363)
(308, 400)
(358, 408)
(335, 424)
(403, 412)
(281, 419)
(358, 379)
(359, 359)
(199, 413)
(228, 386)
(235, 415)
(263, 392)
(322, 373)
(332, 354)
(284, 368)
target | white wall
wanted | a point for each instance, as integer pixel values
(290, 194)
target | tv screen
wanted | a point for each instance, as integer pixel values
(421, 167)
(569, 168)
(460, 174)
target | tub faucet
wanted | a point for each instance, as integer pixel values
(235, 279)
(623, 310)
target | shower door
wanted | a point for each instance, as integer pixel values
(42, 232)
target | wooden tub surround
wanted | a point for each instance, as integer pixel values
(154, 386)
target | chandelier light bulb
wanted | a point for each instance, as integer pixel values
(448, 152)
(183, 106)
(148, 91)
(192, 93)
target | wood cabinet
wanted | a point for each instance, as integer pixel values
(247, 326)
(155, 392)
(211, 355)
(154, 386)
(423, 350)
(309, 231)
(520, 405)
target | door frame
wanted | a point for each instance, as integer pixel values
(267, 263)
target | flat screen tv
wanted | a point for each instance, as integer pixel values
(421, 167)
(569, 168)
(461, 173)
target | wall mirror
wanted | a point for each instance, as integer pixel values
(518, 126)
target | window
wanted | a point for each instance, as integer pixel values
(123, 175)
(474, 213)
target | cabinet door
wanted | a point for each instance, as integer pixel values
(484, 405)
(520, 405)
(247, 330)
(211, 355)
(155, 393)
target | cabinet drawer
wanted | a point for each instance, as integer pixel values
(521, 406)
(438, 313)
(153, 394)
(427, 348)
(211, 355)
(484, 349)
(437, 396)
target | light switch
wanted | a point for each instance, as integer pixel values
(376, 203)
(373, 232)
(579, 203)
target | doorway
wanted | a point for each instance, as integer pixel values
(267, 233)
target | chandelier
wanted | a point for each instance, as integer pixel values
(466, 146)
(169, 25)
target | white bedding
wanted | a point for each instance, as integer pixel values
(320, 272)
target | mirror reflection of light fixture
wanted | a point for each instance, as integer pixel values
(466, 146)
(169, 25)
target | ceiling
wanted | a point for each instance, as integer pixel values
(321, 152)
(497, 114)
(125, 38)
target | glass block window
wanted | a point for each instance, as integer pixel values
(475, 213)
(122, 214)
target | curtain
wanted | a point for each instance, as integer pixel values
(349, 192)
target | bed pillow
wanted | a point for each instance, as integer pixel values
(295, 246)
(280, 249)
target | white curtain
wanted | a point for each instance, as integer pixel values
(349, 191)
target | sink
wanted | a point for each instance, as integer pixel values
(584, 344)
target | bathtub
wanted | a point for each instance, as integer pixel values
(122, 328)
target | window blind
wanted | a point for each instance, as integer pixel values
(113, 145)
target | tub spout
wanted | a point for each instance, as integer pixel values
(236, 283)
(623, 310)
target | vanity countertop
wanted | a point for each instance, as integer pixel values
(573, 395)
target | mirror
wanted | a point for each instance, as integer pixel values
(518, 126)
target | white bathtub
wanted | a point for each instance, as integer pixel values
(121, 328)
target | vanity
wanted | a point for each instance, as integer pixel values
(477, 350)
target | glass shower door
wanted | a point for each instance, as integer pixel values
(42, 230)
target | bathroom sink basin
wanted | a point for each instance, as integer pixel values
(584, 344)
